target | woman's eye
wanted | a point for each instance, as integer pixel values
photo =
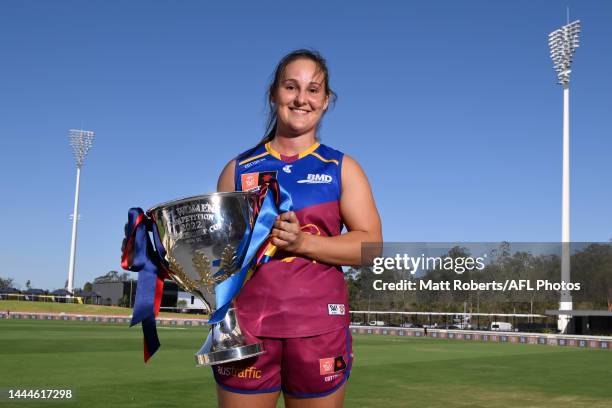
(314, 91)
(290, 87)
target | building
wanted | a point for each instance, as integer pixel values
(192, 303)
(111, 293)
(587, 322)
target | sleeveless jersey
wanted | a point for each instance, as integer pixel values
(292, 296)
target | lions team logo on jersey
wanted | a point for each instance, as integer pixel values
(316, 179)
(335, 309)
(252, 181)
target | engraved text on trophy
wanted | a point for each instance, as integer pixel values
(191, 221)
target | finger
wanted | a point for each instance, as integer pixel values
(293, 218)
(285, 226)
(279, 242)
(287, 216)
(286, 236)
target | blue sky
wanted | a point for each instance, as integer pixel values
(451, 107)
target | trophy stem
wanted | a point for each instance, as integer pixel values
(226, 343)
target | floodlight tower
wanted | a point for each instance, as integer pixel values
(80, 141)
(563, 43)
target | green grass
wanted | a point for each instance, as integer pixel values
(52, 307)
(102, 364)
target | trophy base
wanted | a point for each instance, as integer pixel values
(204, 358)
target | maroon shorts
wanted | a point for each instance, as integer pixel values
(303, 367)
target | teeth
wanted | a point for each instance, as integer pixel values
(300, 110)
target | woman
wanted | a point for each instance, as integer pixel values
(297, 304)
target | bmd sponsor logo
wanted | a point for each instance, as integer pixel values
(335, 309)
(317, 179)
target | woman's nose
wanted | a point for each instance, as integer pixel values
(300, 98)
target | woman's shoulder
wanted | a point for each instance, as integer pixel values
(329, 154)
(323, 148)
(250, 153)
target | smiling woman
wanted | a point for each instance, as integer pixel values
(285, 89)
(297, 304)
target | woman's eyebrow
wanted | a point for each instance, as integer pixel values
(296, 81)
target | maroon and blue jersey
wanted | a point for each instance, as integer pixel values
(292, 296)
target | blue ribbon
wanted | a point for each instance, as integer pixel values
(139, 255)
(276, 201)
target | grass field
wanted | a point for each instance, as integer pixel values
(52, 307)
(102, 364)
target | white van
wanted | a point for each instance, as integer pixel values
(376, 323)
(501, 326)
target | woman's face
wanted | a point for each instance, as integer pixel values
(300, 97)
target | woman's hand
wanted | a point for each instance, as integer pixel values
(286, 234)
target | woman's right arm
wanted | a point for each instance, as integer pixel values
(226, 178)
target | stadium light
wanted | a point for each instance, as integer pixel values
(80, 141)
(563, 43)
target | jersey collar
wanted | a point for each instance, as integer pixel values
(289, 159)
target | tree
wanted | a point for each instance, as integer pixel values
(87, 287)
(112, 276)
(28, 284)
(6, 283)
(124, 301)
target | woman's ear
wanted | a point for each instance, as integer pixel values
(326, 103)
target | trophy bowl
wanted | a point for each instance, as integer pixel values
(203, 237)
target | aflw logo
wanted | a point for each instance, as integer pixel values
(317, 179)
(335, 309)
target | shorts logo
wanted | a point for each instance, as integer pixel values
(339, 364)
(335, 309)
(287, 168)
(329, 378)
(326, 366)
(317, 179)
(331, 365)
(251, 181)
(248, 373)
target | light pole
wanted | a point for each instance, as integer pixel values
(80, 141)
(563, 43)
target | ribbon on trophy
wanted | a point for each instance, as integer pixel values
(141, 255)
(271, 201)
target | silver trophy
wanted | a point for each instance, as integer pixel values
(201, 236)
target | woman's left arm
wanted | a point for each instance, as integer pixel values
(359, 213)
